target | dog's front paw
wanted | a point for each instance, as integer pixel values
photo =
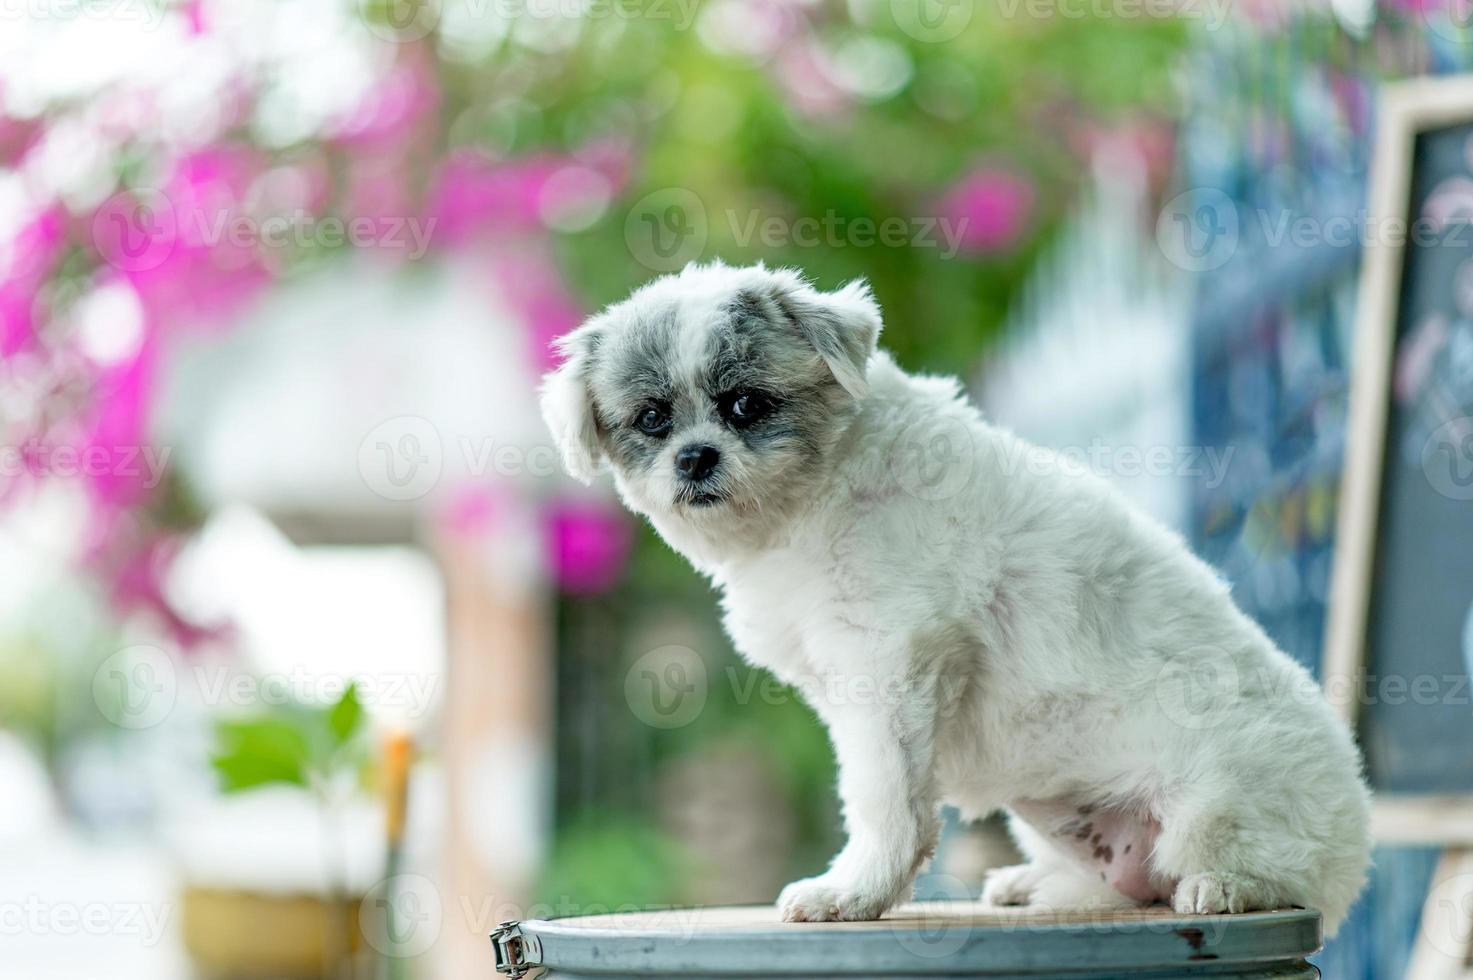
(1012, 885)
(1212, 892)
(824, 899)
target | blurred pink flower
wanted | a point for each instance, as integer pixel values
(25, 261)
(207, 260)
(17, 136)
(193, 250)
(589, 541)
(499, 205)
(194, 15)
(990, 209)
(808, 79)
(378, 203)
(391, 110)
(15, 319)
(121, 407)
(475, 195)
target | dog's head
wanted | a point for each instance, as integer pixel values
(713, 393)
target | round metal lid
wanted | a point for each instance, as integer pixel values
(919, 939)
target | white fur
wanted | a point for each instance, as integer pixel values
(569, 414)
(1017, 631)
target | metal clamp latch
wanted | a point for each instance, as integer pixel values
(515, 953)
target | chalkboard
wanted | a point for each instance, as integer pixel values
(1401, 620)
(1417, 707)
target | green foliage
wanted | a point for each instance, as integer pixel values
(603, 860)
(1012, 91)
(295, 744)
(256, 752)
(344, 717)
(28, 698)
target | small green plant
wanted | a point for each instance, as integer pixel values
(315, 747)
(321, 748)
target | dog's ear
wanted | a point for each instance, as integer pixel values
(567, 404)
(843, 326)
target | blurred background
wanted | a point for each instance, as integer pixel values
(311, 662)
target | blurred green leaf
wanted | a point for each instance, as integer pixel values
(345, 717)
(261, 751)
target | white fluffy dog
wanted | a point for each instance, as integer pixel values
(975, 622)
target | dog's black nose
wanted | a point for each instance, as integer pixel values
(695, 463)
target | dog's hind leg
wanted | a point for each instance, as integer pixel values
(1226, 858)
(1052, 879)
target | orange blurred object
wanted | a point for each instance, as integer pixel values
(398, 754)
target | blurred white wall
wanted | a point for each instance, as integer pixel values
(365, 389)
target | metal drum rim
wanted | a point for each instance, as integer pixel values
(1244, 939)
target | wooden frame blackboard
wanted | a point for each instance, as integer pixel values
(1409, 113)
(1395, 528)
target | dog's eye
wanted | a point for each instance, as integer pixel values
(743, 407)
(653, 420)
